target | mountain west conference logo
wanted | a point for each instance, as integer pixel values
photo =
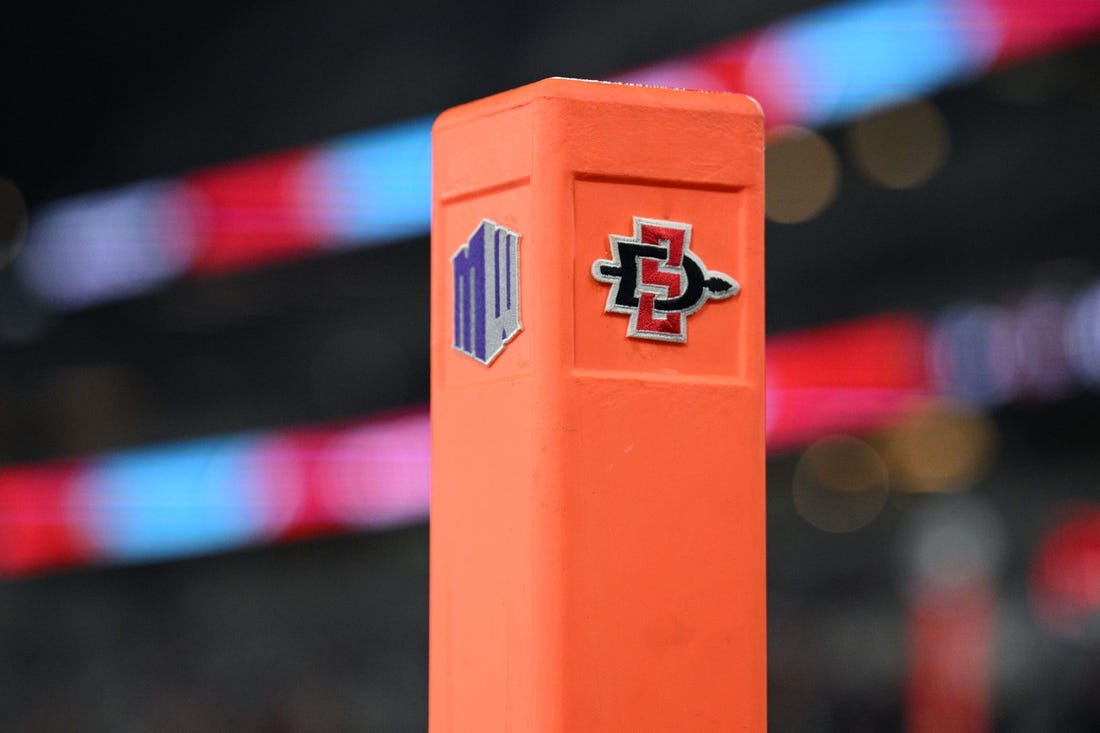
(658, 281)
(486, 282)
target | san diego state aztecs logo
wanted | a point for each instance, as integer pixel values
(658, 281)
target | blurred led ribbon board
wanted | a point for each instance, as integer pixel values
(817, 68)
(215, 494)
(848, 377)
(151, 503)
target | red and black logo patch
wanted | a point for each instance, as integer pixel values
(658, 281)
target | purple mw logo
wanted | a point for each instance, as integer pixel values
(486, 281)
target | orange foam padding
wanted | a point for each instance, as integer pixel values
(597, 517)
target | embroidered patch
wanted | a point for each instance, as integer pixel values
(658, 281)
(486, 285)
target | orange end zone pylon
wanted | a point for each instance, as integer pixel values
(597, 519)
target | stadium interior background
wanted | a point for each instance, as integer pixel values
(934, 424)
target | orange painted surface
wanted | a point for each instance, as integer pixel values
(597, 559)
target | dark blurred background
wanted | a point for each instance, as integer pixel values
(213, 502)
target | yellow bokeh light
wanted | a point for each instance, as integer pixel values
(901, 147)
(941, 447)
(840, 484)
(803, 175)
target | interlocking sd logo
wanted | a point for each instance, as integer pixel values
(658, 281)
